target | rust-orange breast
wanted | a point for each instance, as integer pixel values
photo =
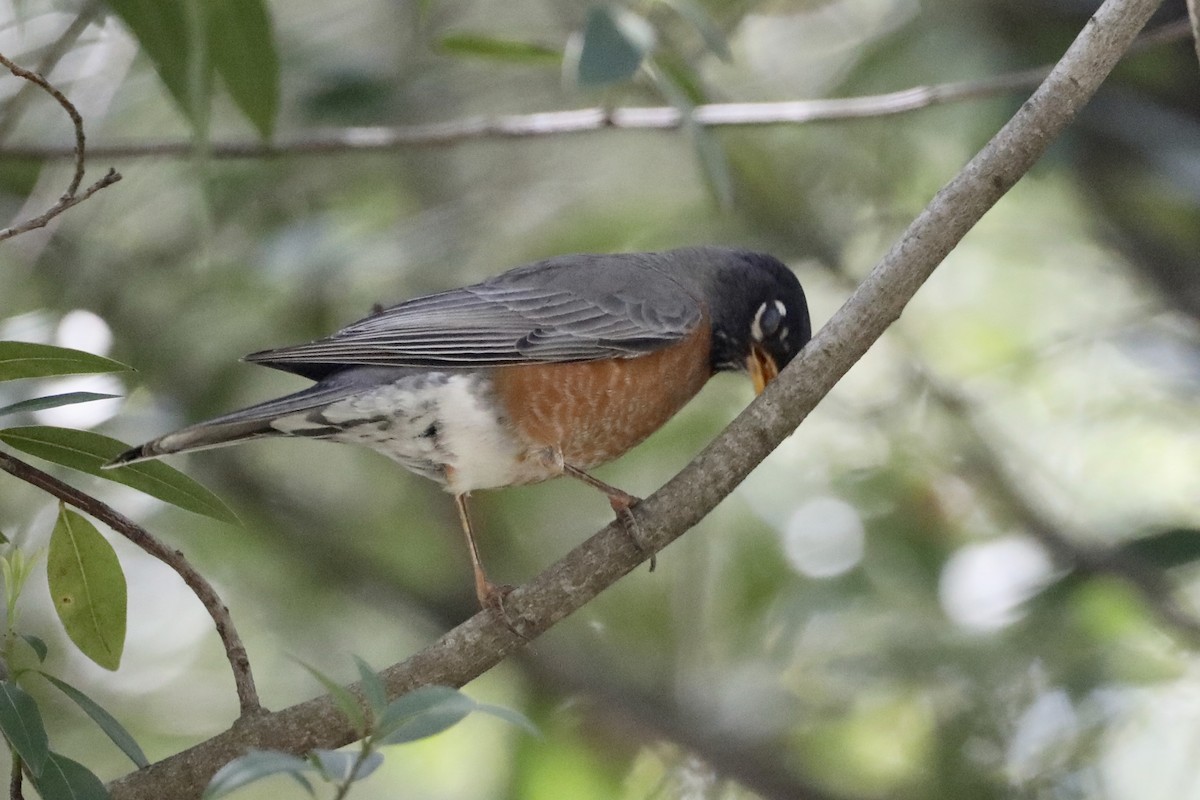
(594, 411)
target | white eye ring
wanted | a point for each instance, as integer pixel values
(756, 330)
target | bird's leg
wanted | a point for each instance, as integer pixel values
(490, 595)
(622, 502)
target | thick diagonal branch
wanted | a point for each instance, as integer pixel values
(483, 641)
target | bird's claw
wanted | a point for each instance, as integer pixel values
(491, 598)
(622, 505)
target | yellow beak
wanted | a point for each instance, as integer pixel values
(763, 368)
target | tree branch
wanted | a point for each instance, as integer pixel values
(11, 112)
(71, 197)
(484, 640)
(589, 120)
(235, 651)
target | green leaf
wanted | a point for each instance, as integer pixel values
(714, 37)
(241, 47)
(707, 145)
(29, 360)
(21, 723)
(340, 766)
(421, 713)
(37, 645)
(64, 779)
(715, 164)
(484, 46)
(1167, 549)
(615, 41)
(162, 31)
(107, 722)
(510, 716)
(88, 588)
(54, 401)
(342, 698)
(89, 452)
(16, 569)
(255, 765)
(372, 687)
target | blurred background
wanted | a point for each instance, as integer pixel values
(970, 573)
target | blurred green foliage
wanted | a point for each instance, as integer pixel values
(953, 654)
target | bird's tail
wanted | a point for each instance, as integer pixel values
(201, 436)
(254, 422)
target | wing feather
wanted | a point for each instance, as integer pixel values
(574, 308)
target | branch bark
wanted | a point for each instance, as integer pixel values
(483, 641)
(72, 197)
(235, 651)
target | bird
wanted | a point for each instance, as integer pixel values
(546, 370)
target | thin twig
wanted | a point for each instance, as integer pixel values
(15, 779)
(587, 120)
(64, 202)
(235, 651)
(485, 640)
(13, 109)
(71, 197)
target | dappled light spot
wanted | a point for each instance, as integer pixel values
(983, 585)
(81, 329)
(824, 538)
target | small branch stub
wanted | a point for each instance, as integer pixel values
(72, 197)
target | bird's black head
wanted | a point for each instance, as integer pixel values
(759, 314)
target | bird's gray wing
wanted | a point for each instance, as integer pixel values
(573, 308)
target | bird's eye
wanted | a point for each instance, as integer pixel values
(767, 320)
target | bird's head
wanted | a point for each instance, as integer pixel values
(759, 315)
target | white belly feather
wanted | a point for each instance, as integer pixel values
(444, 426)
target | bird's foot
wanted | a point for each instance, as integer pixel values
(622, 505)
(491, 598)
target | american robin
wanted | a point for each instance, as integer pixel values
(548, 369)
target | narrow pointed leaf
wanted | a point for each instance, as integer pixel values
(1166, 549)
(372, 687)
(342, 698)
(614, 43)
(162, 31)
(715, 164)
(107, 722)
(54, 401)
(340, 766)
(21, 723)
(89, 452)
(697, 15)
(39, 647)
(422, 713)
(484, 46)
(87, 587)
(29, 360)
(64, 779)
(241, 46)
(510, 716)
(255, 765)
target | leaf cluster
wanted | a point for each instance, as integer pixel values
(423, 712)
